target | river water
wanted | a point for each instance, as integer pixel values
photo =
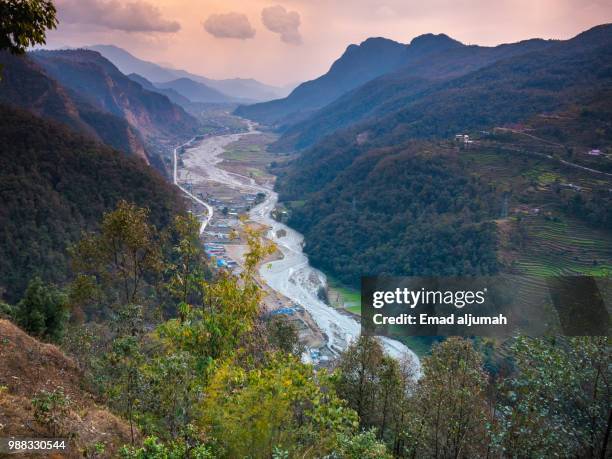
(292, 276)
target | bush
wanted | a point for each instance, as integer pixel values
(50, 408)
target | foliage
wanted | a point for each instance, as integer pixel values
(173, 387)
(560, 398)
(123, 366)
(361, 446)
(187, 266)
(6, 311)
(123, 254)
(450, 404)
(178, 449)
(378, 388)
(51, 408)
(282, 335)
(282, 404)
(24, 23)
(411, 210)
(43, 310)
(55, 184)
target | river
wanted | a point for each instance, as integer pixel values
(292, 276)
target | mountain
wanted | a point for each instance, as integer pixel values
(55, 184)
(235, 88)
(357, 65)
(407, 199)
(94, 79)
(507, 91)
(168, 92)
(24, 84)
(426, 64)
(194, 91)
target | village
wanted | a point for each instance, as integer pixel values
(225, 246)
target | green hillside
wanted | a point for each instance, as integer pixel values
(55, 184)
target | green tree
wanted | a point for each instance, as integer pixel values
(51, 408)
(24, 23)
(123, 256)
(154, 449)
(174, 387)
(43, 310)
(559, 399)
(230, 305)
(450, 411)
(377, 387)
(359, 377)
(364, 445)
(186, 269)
(281, 405)
(124, 384)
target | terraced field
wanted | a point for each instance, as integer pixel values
(564, 246)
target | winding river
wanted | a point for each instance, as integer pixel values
(292, 276)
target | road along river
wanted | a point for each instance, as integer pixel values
(292, 276)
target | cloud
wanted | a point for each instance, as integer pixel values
(229, 25)
(286, 23)
(133, 16)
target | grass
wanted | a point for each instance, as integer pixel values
(349, 298)
(242, 154)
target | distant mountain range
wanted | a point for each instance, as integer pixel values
(94, 79)
(25, 85)
(170, 93)
(227, 90)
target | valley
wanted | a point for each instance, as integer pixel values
(182, 253)
(292, 285)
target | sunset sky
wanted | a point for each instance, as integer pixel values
(288, 41)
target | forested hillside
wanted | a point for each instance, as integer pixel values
(438, 222)
(427, 65)
(55, 184)
(411, 210)
(217, 379)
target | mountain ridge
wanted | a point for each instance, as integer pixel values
(232, 88)
(25, 85)
(96, 80)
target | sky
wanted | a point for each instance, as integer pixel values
(283, 42)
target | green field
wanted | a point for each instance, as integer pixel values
(349, 298)
(564, 246)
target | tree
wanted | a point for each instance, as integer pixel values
(559, 399)
(51, 408)
(186, 270)
(24, 23)
(125, 253)
(230, 305)
(173, 388)
(450, 411)
(179, 449)
(377, 387)
(359, 378)
(43, 310)
(123, 367)
(281, 405)
(364, 445)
